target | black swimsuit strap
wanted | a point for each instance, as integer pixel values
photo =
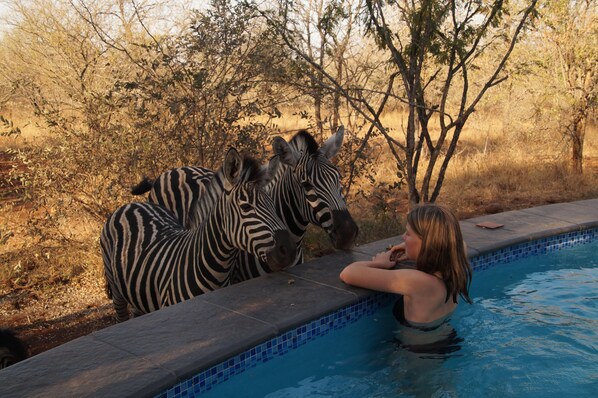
(399, 312)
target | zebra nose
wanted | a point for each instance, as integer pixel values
(344, 230)
(283, 253)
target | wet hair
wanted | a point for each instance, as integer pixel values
(442, 249)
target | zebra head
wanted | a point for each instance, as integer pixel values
(317, 188)
(250, 219)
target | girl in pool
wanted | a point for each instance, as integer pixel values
(429, 292)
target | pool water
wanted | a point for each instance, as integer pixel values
(531, 331)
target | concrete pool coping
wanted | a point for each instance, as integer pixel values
(147, 355)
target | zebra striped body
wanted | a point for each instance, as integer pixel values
(305, 188)
(151, 261)
(179, 188)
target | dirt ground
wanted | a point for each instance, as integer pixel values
(77, 309)
(45, 324)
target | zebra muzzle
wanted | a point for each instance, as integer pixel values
(283, 253)
(344, 230)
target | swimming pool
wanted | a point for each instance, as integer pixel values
(530, 332)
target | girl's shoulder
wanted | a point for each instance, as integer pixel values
(414, 281)
(426, 285)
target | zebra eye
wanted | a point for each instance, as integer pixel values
(246, 207)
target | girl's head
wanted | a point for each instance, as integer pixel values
(442, 249)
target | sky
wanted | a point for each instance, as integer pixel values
(5, 9)
(3, 14)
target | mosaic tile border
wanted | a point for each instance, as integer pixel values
(277, 346)
(533, 248)
(295, 338)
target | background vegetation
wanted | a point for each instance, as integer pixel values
(483, 105)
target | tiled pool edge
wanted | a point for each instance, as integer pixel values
(277, 346)
(292, 339)
(151, 354)
(533, 248)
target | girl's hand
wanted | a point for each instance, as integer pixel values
(383, 260)
(398, 252)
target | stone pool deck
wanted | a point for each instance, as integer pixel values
(147, 355)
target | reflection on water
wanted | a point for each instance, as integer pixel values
(438, 347)
(435, 339)
(417, 361)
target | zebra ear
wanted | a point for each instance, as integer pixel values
(285, 153)
(333, 144)
(232, 166)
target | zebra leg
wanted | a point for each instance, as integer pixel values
(120, 306)
(135, 312)
(118, 301)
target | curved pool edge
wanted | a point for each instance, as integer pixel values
(148, 355)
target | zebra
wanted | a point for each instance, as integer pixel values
(306, 189)
(12, 349)
(151, 261)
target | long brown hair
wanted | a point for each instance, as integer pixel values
(442, 249)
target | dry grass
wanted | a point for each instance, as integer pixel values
(34, 262)
(505, 163)
(511, 166)
(517, 170)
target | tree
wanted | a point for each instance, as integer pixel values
(52, 61)
(434, 48)
(570, 28)
(205, 89)
(119, 92)
(324, 29)
(120, 100)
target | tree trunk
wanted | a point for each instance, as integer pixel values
(577, 134)
(318, 113)
(414, 197)
(577, 151)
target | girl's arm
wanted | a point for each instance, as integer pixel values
(378, 275)
(380, 260)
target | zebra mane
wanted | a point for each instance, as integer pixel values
(310, 142)
(210, 191)
(253, 172)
